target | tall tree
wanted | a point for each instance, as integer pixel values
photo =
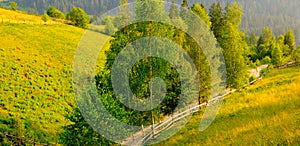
(234, 14)
(284, 47)
(109, 27)
(124, 16)
(196, 28)
(200, 10)
(173, 12)
(265, 43)
(184, 9)
(217, 20)
(234, 47)
(277, 55)
(289, 40)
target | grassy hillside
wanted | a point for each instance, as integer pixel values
(267, 113)
(36, 76)
(21, 17)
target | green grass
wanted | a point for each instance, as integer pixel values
(267, 113)
(36, 76)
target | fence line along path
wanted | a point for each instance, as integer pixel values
(142, 137)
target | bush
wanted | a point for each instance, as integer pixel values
(13, 6)
(78, 17)
(55, 13)
(263, 71)
(252, 78)
(109, 28)
(296, 55)
(266, 60)
(45, 17)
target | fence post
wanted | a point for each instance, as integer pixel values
(143, 130)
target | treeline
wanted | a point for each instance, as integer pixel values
(92, 7)
(279, 15)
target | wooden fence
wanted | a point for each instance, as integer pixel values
(156, 129)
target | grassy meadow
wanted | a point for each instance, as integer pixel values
(36, 76)
(267, 113)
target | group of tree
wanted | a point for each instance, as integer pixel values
(266, 49)
(239, 50)
(77, 16)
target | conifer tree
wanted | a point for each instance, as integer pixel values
(289, 40)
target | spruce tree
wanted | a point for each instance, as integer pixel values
(184, 9)
(173, 12)
(277, 56)
(200, 10)
(289, 40)
(217, 20)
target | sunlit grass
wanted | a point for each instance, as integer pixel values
(267, 113)
(20, 17)
(36, 75)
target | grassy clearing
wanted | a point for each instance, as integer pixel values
(36, 76)
(267, 113)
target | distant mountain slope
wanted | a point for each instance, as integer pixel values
(280, 15)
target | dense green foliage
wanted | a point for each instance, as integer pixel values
(226, 29)
(55, 13)
(13, 6)
(45, 17)
(79, 17)
(80, 133)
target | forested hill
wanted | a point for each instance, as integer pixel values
(280, 15)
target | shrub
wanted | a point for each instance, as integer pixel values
(45, 17)
(13, 6)
(252, 78)
(263, 71)
(266, 60)
(78, 17)
(55, 13)
(109, 28)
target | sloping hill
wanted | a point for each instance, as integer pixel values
(36, 76)
(266, 113)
